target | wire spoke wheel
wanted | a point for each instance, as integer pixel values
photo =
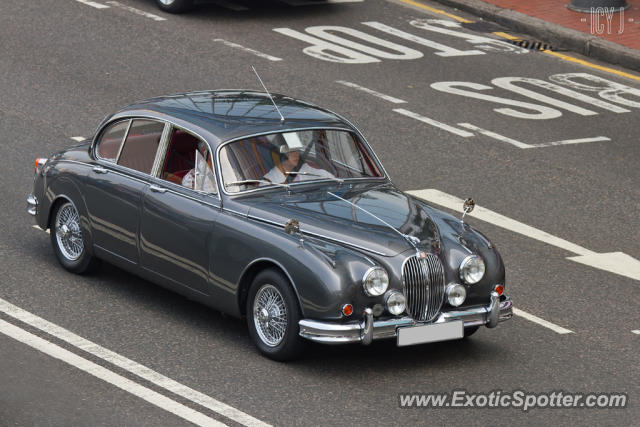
(270, 315)
(68, 232)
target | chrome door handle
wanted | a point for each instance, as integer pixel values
(99, 169)
(157, 189)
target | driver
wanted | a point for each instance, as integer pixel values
(290, 161)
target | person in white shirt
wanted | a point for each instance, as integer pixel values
(289, 163)
(206, 179)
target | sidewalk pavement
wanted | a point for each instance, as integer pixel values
(614, 38)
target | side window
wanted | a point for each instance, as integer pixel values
(189, 163)
(111, 140)
(140, 147)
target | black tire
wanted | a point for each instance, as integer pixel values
(470, 331)
(76, 256)
(290, 344)
(175, 6)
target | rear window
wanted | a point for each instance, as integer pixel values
(140, 147)
(111, 140)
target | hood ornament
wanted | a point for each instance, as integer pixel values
(467, 207)
(292, 227)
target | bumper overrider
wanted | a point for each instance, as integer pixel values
(499, 309)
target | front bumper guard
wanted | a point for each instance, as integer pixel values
(498, 310)
(32, 205)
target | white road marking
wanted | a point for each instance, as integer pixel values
(541, 322)
(519, 144)
(372, 92)
(636, 331)
(495, 135)
(136, 11)
(105, 374)
(246, 49)
(613, 262)
(129, 365)
(230, 5)
(435, 123)
(40, 229)
(78, 138)
(93, 4)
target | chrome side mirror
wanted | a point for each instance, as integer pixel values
(467, 207)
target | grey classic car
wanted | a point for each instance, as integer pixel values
(272, 209)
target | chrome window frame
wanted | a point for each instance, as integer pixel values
(101, 134)
(365, 144)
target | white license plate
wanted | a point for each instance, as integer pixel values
(411, 335)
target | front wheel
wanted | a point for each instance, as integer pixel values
(273, 315)
(174, 6)
(470, 331)
(68, 242)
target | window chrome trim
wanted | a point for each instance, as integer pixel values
(270, 187)
(124, 139)
(101, 134)
(162, 146)
(177, 187)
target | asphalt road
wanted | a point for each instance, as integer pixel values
(65, 67)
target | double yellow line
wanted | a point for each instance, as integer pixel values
(510, 37)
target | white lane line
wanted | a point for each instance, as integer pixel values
(136, 11)
(105, 374)
(40, 229)
(129, 365)
(230, 5)
(574, 141)
(93, 4)
(519, 144)
(541, 322)
(613, 262)
(247, 49)
(495, 135)
(636, 331)
(372, 92)
(443, 126)
(78, 138)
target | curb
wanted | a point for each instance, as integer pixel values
(555, 34)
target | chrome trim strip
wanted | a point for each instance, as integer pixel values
(161, 151)
(224, 143)
(339, 333)
(124, 138)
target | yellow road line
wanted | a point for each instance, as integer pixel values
(510, 37)
(434, 10)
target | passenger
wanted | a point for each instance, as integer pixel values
(205, 170)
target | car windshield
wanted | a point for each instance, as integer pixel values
(280, 159)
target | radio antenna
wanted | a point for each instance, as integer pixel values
(270, 97)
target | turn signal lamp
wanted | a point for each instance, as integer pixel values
(347, 309)
(499, 289)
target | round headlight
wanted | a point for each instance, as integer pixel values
(456, 294)
(375, 281)
(472, 269)
(395, 303)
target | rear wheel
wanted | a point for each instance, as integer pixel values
(174, 6)
(67, 240)
(273, 315)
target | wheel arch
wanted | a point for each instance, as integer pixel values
(251, 271)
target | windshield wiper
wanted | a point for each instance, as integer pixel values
(333, 178)
(259, 181)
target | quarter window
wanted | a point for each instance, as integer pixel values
(111, 140)
(140, 147)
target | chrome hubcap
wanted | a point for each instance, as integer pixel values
(68, 233)
(270, 315)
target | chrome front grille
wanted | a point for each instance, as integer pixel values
(423, 285)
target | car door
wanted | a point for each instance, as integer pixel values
(178, 218)
(125, 153)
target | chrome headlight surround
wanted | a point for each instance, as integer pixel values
(395, 303)
(472, 269)
(456, 294)
(375, 281)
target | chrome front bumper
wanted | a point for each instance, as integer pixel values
(369, 329)
(32, 205)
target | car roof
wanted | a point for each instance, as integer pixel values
(231, 114)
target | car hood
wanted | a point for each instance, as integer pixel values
(370, 216)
